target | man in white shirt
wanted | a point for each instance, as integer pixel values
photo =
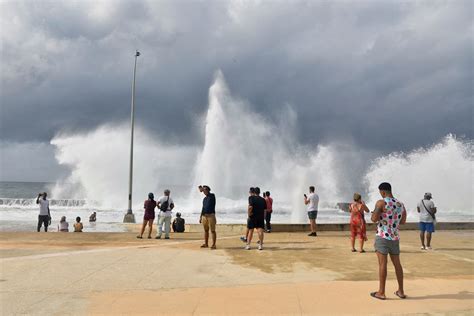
(427, 211)
(44, 214)
(312, 201)
(165, 205)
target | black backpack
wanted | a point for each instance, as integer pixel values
(164, 205)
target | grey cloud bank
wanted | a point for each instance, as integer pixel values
(384, 75)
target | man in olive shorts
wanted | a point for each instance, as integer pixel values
(208, 216)
(389, 214)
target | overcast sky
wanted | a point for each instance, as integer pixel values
(386, 75)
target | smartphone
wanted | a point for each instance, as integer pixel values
(304, 195)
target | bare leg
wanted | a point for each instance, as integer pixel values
(422, 238)
(361, 241)
(249, 237)
(313, 225)
(399, 272)
(143, 228)
(428, 239)
(382, 274)
(353, 243)
(206, 237)
(260, 235)
(150, 227)
(214, 238)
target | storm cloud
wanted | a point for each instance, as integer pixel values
(385, 75)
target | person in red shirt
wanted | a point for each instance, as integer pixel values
(148, 216)
(268, 211)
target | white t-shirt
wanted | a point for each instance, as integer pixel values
(63, 226)
(170, 201)
(44, 204)
(313, 202)
(424, 215)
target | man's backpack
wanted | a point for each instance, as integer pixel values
(164, 205)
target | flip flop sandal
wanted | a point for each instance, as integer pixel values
(353, 250)
(374, 295)
(139, 237)
(400, 296)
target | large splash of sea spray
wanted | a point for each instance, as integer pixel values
(242, 149)
(445, 170)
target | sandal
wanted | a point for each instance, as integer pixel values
(374, 295)
(362, 251)
(353, 250)
(204, 246)
(213, 247)
(139, 237)
(400, 296)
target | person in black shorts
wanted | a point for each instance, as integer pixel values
(256, 217)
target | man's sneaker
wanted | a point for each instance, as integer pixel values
(312, 234)
(247, 247)
(158, 237)
(260, 247)
(429, 248)
(423, 248)
(167, 238)
(269, 231)
(243, 239)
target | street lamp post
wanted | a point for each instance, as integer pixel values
(130, 217)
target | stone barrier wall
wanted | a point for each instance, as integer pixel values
(240, 228)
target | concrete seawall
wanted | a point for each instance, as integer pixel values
(240, 228)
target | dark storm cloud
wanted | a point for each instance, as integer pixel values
(387, 75)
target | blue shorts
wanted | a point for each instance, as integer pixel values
(313, 214)
(427, 227)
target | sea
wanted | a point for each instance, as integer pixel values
(19, 212)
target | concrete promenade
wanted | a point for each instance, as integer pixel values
(117, 274)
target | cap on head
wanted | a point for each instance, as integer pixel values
(151, 196)
(428, 196)
(385, 186)
(357, 196)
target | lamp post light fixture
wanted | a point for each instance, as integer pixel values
(129, 216)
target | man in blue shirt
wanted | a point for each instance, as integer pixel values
(208, 216)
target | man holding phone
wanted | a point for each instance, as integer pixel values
(312, 201)
(44, 214)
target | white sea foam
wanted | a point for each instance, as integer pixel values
(242, 149)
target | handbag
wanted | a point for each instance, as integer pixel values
(431, 214)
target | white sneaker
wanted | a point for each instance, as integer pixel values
(423, 248)
(260, 247)
(247, 247)
(429, 248)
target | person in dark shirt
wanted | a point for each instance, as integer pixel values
(256, 217)
(148, 216)
(208, 216)
(178, 224)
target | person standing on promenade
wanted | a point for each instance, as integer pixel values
(149, 215)
(312, 201)
(256, 217)
(358, 227)
(44, 216)
(389, 214)
(427, 210)
(208, 216)
(166, 205)
(268, 211)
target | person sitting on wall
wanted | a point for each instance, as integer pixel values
(178, 224)
(93, 217)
